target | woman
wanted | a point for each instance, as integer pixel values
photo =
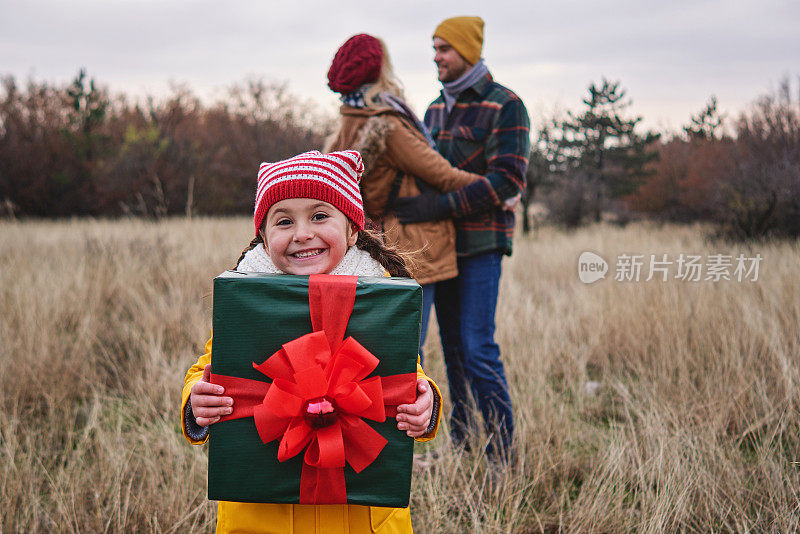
(399, 159)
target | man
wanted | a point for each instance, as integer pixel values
(481, 127)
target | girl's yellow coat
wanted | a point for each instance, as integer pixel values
(235, 517)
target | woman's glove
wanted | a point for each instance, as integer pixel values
(425, 207)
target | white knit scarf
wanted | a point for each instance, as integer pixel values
(356, 262)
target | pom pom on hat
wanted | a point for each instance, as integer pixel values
(358, 61)
(465, 34)
(332, 178)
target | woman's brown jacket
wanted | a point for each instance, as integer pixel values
(394, 154)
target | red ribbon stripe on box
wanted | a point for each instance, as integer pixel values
(320, 395)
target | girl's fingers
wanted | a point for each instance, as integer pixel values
(410, 409)
(417, 423)
(422, 405)
(208, 404)
(423, 386)
(414, 423)
(415, 431)
(204, 421)
(423, 402)
(210, 400)
(211, 412)
(207, 388)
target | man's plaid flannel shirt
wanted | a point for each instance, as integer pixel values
(487, 132)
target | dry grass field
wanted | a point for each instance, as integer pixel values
(640, 406)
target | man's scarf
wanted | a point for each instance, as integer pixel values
(451, 90)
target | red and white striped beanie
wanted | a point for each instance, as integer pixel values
(332, 178)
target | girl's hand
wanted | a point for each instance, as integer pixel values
(415, 418)
(208, 404)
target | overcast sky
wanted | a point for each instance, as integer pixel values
(670, 55)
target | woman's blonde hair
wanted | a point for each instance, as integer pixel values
(387, 82)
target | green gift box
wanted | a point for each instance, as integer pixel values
(332, 448)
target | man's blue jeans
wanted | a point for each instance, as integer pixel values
(465, 310)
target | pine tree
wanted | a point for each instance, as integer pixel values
(602, 144)
(706, 124)
(86, 107)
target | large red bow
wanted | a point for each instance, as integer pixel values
(320, 394)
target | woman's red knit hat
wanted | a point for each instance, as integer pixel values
(358, 61)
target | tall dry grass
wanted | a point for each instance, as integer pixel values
(690, 423)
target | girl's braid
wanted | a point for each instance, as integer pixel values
(253, 244)
(389, 258)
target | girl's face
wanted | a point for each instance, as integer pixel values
(306, 236)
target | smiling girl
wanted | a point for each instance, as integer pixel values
(309, 219)
(307, 236)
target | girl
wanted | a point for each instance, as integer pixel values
(309, 219)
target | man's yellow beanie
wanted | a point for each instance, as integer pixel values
(465, 34)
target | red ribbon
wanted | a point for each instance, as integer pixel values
(320, 395)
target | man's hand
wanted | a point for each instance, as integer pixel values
(426, 207)
(513, 203)
(415, 418)
(208, 404)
